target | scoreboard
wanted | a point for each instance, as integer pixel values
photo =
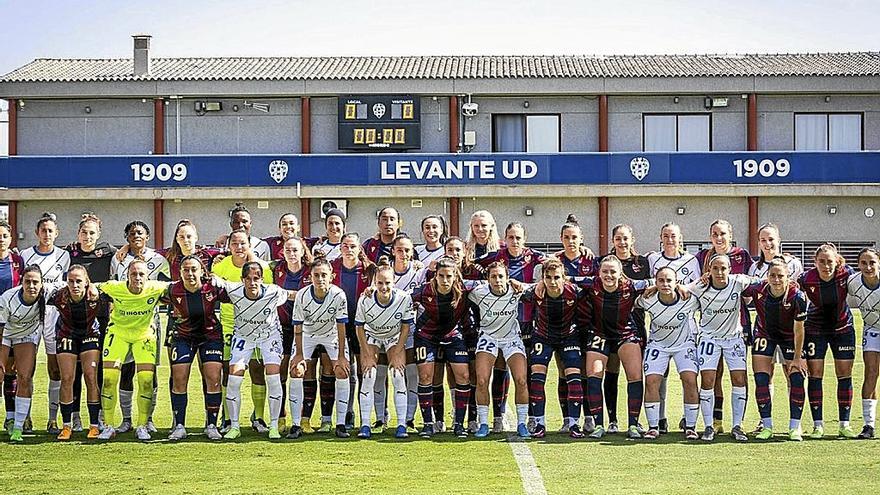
(379, 122)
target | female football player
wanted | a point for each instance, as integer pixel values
(379, 245)
(829, 324)
(482, 235)
(863, 287)
(11, 267)
(288, 228)
(328, 245)
(435, 233)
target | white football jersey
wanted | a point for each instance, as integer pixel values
(426, 256)
(671, 324)
(261, 248)
(867, 300)
(18, 319)
(255, 319)
(795, 268)
(720, 308)
(156, 264)
(411, 279)
(331, 251)
(319, 317)
(382, 322)
(686, 266)
(53, 264)
(498, 314)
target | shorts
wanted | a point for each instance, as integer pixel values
(489, 345)
(76, 345)
(287, 335)
(329, 343)
(383, 344)
(710, 352)
(158, 326)
(843, 345)
(657, 358)
(184, 351)
(33, 338)
(871, 340)
(351, 338)
(454, 350)
(118, 347)
(765, 346)
(567, 350)
(608, 347)
(243, 350)
(47, 331)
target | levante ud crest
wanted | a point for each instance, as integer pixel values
(639, 166)
(278, 170)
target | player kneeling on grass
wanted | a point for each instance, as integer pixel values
(499, 334)
(671, 339)
(383, 321)
(195, 331)
(78, 337)
(320, 313)
(781, 309)
(561, 313)
(257, 326)
(130, 332)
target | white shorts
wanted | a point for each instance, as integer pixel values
(871, 340)
(411, 338)
(657, 358)
(330, 343)
(382, 344)
(243, 349)
(711, 350)
(48, 330)
(494, 347)
(33, 338)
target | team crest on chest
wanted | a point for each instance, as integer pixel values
(179, 300)
(569, 302)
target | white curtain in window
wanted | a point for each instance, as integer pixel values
(509, 134)
(659, 133)
(845, 132)
(693, 133)
(542, 133)
(811, 132)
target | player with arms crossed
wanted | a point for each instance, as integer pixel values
(383, 321)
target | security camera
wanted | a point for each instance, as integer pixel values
(470, 109)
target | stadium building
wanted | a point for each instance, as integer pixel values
(643, 140)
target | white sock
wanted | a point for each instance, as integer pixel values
(567, 421)
(295, 398)
(707, 405)
(125, 402)
(54, 399)
(22, 406)
(342, 394)
(522, 413)
(869, 411)
(738, 396)
(380, 391)
(233, 398)
(412, 391)
(691, 411)
(539, 419)
(398, 381)
(652, 412)
(366, 398)
(276, 396)
(662, 404)
(483, 414)
(844, 424)
(794, 424)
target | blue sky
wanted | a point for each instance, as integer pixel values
(102, 28)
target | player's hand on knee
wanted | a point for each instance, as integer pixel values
(342, 366)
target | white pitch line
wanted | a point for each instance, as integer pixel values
(532, 481)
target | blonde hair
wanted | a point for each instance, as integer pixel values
(493, 243)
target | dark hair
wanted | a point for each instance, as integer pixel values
(5, 225)
(246, 268)
(444, 234)
(668, 268)
(238, 208)
(239, 231)
(571, 222)
(632, 249)
(399, 237)
(383, 264)
(41, 299)
(306, 258)
(320, 260)
(136, 223)
(552, 264)
(89, 217)
(175, 250)
(379, 215)
(47, 217)
(334, 212)
(861, 252)
(457, 292)
(195, 257)
(497, 264)
(512, 225)
(294, 217)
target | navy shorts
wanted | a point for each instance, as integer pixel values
(766, 346)
(76, 345)
(843, 345)
(454, 350)
(567, 349)
(607, 346)
(184, 351)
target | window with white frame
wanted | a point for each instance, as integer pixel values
(677, 132)
(516, 133)
(828, 132)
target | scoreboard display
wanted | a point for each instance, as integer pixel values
(379, 122)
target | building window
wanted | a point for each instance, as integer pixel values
(677, 132)
(828, 132)
(525, 133)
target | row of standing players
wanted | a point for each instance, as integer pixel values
(609, 330)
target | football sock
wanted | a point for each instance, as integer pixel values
(22, 406)
(413, 391)
(609, 389)
(707, 405)
(536, 394)
(258, 396)
(814, 390)
(54, 398)
(380, 392)
(276, 398)
(652, 413)
(233, 399)
(295, 396)
(145, 395)
(634, 395)
(844, 398)
(595, 399)
(426, 397)
(342, 394)
(109, 395)
(398, 382)
(738, 398)
(691, 411)
(367, 396)
(869, 411)
(310, 393)
(178, 405)
(212, 407)
(575, 389)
